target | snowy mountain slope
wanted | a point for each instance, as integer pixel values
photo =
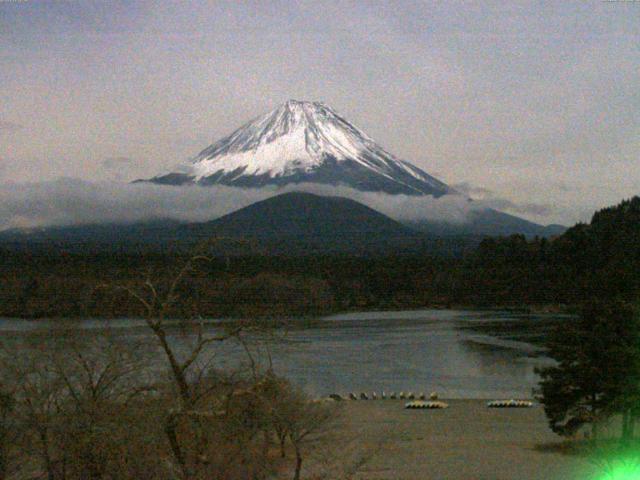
(304, 142)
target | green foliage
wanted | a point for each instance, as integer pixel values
(599, 260)
(598, 367)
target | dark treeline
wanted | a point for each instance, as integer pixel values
(597, 259)
(55, 284)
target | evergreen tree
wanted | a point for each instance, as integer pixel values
(598, 369)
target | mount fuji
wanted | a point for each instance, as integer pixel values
(304, 142)
(299, 142)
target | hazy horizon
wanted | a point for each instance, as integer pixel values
(532, 107)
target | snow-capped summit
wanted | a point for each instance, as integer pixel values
(304, 142)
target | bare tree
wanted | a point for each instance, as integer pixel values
(187, 369)
(37, 394)
(101, 375)
(158, 304)
(305, 423)
(89, 407)
(72, 401)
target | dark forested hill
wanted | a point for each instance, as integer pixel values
(306, 223)
(596, 260)
(294, 224)
(601, 258)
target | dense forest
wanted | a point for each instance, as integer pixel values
(601, 258)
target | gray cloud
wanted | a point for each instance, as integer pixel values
(536, 209)
(10, 126)
(71, 201)
(118, 168)
(471, 190)
(114, 163)
(561, 186)
(489, 199)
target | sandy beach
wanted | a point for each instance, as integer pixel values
(466, 441)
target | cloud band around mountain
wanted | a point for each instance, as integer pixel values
(74, 202)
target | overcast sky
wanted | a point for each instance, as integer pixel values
(535, 104)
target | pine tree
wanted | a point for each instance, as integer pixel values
(598, 369)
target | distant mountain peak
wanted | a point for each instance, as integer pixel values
(302, 141)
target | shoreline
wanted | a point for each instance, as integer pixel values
(465, 441)
(312, 318)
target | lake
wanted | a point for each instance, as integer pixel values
(458, 354)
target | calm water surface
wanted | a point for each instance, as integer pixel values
(459, 354)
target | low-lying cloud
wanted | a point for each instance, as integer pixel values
(117, 163)
(72, 202)
(489, 199)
